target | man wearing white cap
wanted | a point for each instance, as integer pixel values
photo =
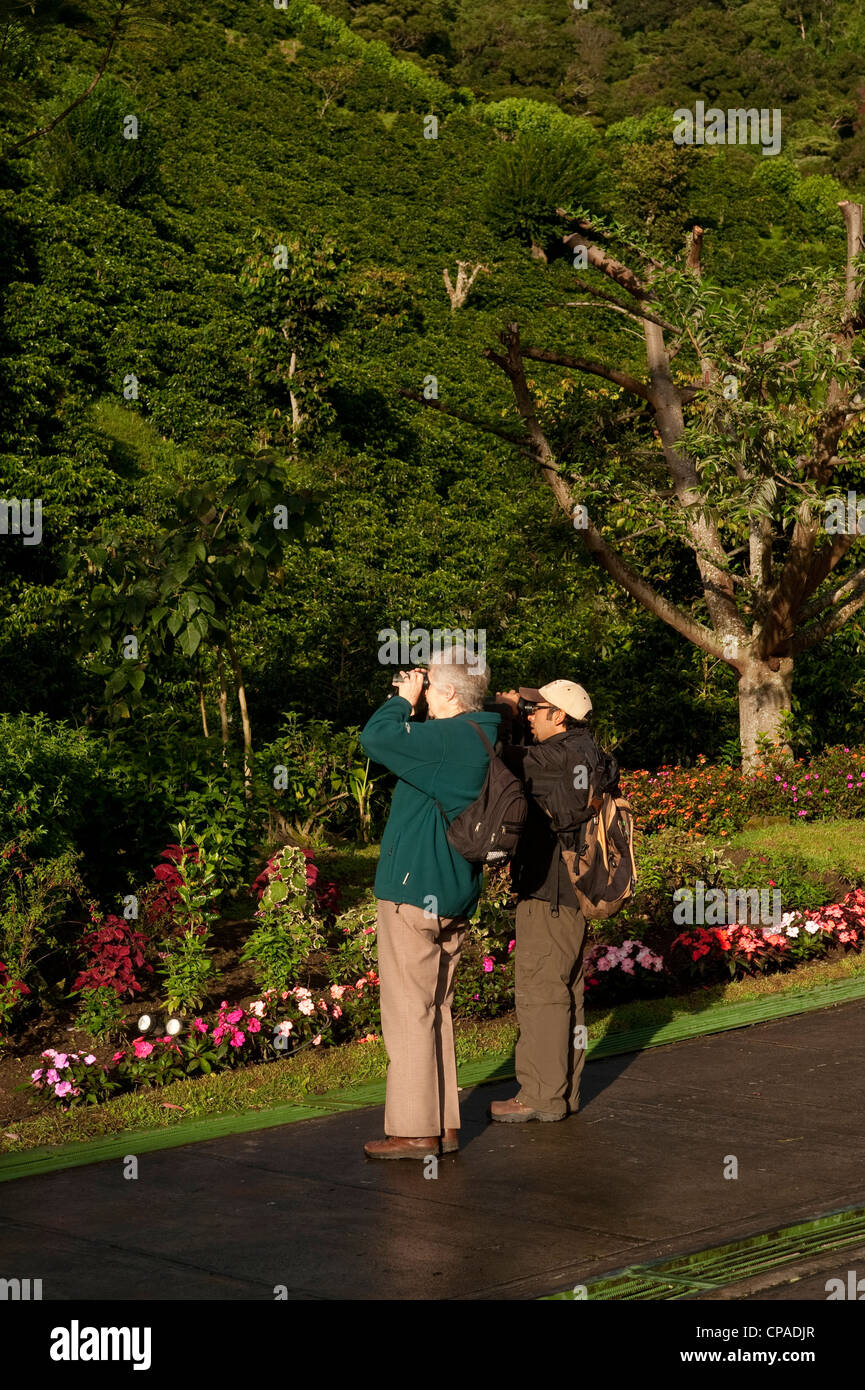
(551, 929)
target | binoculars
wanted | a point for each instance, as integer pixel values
(400, 677)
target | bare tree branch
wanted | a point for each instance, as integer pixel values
(702, 636)
(581, 364)
(635, 313)
(46, 129)
(809, 637)
(485, 425)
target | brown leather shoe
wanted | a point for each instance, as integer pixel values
(514, 1112)
(450, 1141)
(398, 1147)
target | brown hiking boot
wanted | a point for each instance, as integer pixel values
(514, 1112)
(397, 1147)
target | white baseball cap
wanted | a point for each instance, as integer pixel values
(568, 696)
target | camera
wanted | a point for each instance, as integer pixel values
(514, 727)
(526, 706)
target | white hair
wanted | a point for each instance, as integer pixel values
(470, 679)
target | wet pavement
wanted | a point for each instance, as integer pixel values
(644, 1171)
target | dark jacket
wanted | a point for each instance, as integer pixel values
(435, 760)
(548, 772)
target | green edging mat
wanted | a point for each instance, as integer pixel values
(717, 1018)
(723, 1265)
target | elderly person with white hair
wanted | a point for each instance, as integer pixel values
(426, 892)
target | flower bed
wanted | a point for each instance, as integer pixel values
(709, 799)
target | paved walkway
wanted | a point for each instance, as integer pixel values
(522, 1211)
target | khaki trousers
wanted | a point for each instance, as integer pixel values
(417, 960)
(549, 998)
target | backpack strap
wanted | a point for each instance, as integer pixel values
(490, 750)
(487, 744)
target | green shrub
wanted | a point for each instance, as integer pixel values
(286, 929)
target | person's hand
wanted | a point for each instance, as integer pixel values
(411, 686)
(509, 697)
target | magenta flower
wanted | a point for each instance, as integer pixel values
(237, 1038)
(488, 964)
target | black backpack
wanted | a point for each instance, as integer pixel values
(488, 831)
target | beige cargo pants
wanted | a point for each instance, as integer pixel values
(417, 961)
(549, 997)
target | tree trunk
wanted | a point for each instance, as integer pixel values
(223, 697)
(203, 708)
(244, 718)
(764, 697)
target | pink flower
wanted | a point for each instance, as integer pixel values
(35, 1075)
(117, 1056)
(89, 1059)
(306, 1006)
(488, 964)
(52, 1076)
(142, 1048)
(49, 1052)
(253, 1025)
(511, 945)
(283, 1029)
(63, 1088)
(316, 1040)
(360, 984)
(337, 991)
(61, 1060)
(237, 1038)
(235, 1016)
(336, 1011)
(199, 1025)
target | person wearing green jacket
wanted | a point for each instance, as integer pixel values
(426, 895)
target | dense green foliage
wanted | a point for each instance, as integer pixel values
(146, 374)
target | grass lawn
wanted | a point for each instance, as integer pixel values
(835, 846)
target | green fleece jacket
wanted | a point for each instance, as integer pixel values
(443, 759)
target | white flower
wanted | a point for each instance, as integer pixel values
(283, 1029)
(792, 931)
(812, 927)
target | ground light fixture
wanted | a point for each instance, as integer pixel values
(161, 1024)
